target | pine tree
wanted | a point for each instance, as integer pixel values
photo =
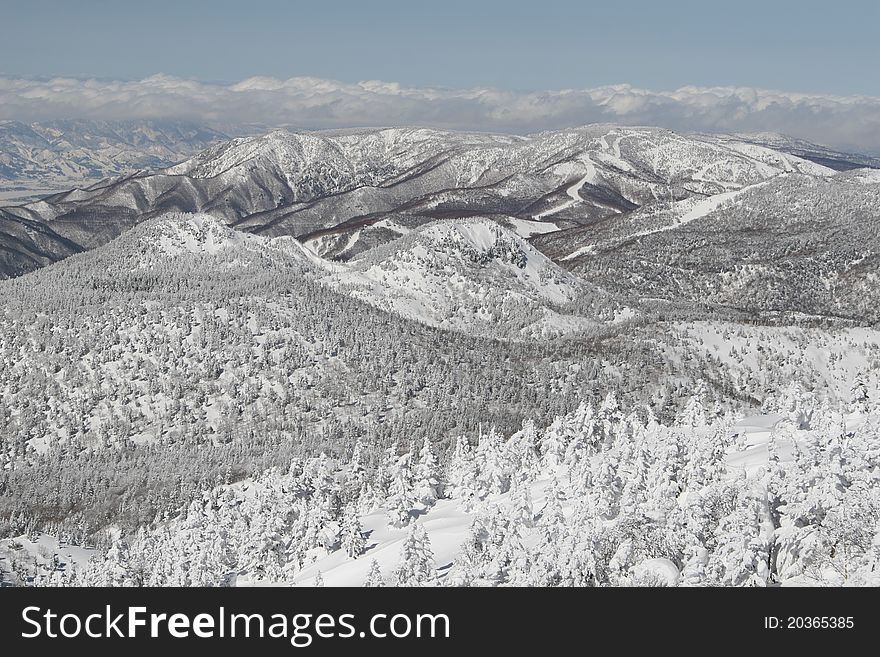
(461, 474)
(694, 412)
(467, 568)
(374, 576)
(522, 513)
(607, 489)
(416, 566)
(353, 541)
(494, 475)
(400, 498)
(427, 476)
(116, 565)
(523, 451)
(552, 519)
(858, 396)
(742, 554)
(355, 471)
(694, 571)
(553, 444)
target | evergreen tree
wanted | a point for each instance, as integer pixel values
(353, 541)
(416, 566)
(462, 474)
(427, 476)
(493, 472)
(401, 498)
(858, 396)
(374, 575)
(553, 445)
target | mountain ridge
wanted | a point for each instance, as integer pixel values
(326, 188)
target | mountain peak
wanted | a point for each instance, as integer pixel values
(480, 240)
(177, 234)
(476, 276)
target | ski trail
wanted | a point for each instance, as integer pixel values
(581, 251)
(700, 209)
(573, 192)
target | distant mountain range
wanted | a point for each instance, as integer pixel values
(654, 217)
(64, 153)
(41, 158)
(823, 155)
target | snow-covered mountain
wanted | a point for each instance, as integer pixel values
(469, 275)
(327, 188)
(796, 244)
(564, 178)
(200, 241)
(807, 150)
(476, 276)
(66, 153)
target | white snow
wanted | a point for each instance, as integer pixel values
(38, 554)
(584, 250)
(834, 357)
(756, 433)
(525, 228)
(659, 570)
(447, 526)
(573, 192)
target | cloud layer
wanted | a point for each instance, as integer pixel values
(847, 122)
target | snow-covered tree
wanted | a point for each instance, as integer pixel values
(553, 444)
(416, 565)
(493, 471)
(353, 541)
(461, 473)
(401, 498)
(374, 575)
(859, 400)
(427, 486)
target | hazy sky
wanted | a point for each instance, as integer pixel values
(805, 68)
(803, 45)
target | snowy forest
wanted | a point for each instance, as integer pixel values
(599, 497)
(607, 368)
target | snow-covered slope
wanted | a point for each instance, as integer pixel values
(793, 244)
(469, 275)
(174, 235)
(477, 277)
(570, 177)
(199, 242)
(821, 360)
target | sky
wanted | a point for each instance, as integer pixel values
(443, 54)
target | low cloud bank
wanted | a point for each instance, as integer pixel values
(846, 122)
